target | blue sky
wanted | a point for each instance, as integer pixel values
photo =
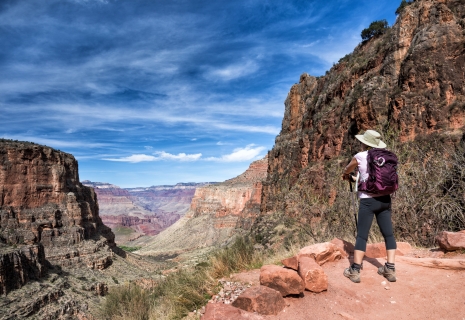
(151, 92)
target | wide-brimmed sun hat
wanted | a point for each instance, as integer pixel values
(371, 138)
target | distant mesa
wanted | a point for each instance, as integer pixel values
(132, 213)
(217, 213)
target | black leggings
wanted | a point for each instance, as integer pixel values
(381, 208)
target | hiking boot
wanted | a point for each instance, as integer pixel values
(352, 274)
(389, 274)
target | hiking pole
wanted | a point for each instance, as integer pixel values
(353, 204)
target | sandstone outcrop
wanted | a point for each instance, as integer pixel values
(451, 241)
(408, 81)
(48, 213)
(217, 213)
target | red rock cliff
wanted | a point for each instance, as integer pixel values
(43, 203)
(217, 212)
(409, 80)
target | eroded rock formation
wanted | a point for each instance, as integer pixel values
(217, 212)
(143, 211)
(410, 80)
(47, 213)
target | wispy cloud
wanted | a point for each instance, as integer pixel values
(250, 152)
(162, 155)
(112, 78)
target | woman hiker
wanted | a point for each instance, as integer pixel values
(371, 205)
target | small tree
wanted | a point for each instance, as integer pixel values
(403, 4)
(376, 28)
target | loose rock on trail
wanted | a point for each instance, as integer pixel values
(419, 293)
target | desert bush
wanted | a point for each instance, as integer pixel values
(240, 256)
(402, 6)
(376, 28)
(430, 196)
(129, 302)
(184, 290)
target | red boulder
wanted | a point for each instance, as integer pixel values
(292, 263)
(314, 277)
(322, 253)
(286, 281)
(451, 241)
(262, 300)
(220, 311)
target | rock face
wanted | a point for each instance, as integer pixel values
(44, 206)
(217, 212)
(18, 266)
(409, 79)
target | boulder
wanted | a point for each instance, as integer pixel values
(286, 281)
(292, 263)
(220, 311)
(348, 247)
(378, 250)
(451, 241)
(262, 300)
(312, 273)
(322, 253)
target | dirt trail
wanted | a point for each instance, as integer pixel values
(419, 293)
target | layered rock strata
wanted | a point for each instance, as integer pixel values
(48, 213)
(217, 212)
(147, 211)
(410, 80)
(18, 266)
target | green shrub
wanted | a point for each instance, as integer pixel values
(376, 28)
(127, 302)
(182, 291)
(402, 5)
(129, 249)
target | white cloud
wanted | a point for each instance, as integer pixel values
(250, 152)
(233, 71)
(161, 155)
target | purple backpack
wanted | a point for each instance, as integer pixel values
(382, 172)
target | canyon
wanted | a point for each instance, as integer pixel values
(217, 213)
(56, 255)
(132, 213)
